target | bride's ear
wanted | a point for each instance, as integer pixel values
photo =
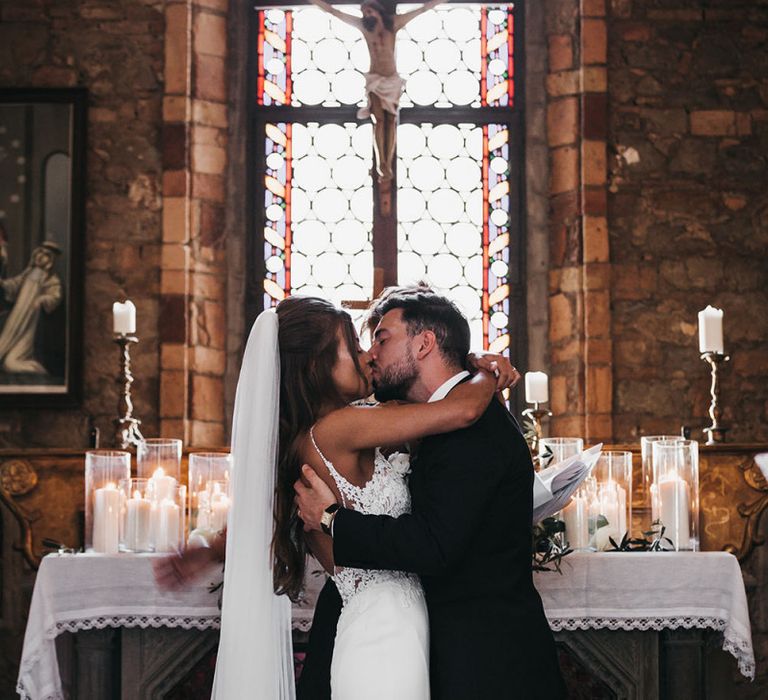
(424, 344)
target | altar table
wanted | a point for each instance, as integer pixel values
(628, 592)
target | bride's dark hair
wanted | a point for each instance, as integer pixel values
(308, 344)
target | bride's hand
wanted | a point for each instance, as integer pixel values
(178, 570)
(507, 376)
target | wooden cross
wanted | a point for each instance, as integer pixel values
(384, 240)
(378, 288)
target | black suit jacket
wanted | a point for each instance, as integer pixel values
(469, 537)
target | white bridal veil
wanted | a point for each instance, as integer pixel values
(255, 656)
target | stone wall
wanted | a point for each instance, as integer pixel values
(193, 283)
(115, 49)
(657, 126)
(657, 129)
(154, 230)
(688, 209)
(579, 262)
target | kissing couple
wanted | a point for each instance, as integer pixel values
(431, 592)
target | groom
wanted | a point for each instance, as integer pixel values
(469, 534)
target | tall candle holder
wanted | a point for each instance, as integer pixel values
(614, 484)
(675, 491)
(127, 431)
(647, 488)
(553, 450)
(209, 495)
(104, 470)
(535, 415)
(715, 432)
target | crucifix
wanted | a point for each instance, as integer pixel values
(383, 85)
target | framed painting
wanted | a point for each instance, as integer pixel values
(42, 178)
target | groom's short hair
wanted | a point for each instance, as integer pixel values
(427, 311)
(373, 315)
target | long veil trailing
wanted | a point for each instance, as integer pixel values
(255, 657)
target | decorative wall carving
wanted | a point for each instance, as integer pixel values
(751, 511)
(17, 478)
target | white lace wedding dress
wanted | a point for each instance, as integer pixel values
(382, 639)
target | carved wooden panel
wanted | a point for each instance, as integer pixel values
(155, 661)
(626, 663)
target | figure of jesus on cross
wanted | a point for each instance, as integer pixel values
(383, 85)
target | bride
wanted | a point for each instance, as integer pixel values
(303, 367)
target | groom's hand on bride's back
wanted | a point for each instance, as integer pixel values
(507, 375)
(312, 498)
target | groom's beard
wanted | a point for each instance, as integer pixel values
(395, 381)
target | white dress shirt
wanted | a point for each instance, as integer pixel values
(444, 389)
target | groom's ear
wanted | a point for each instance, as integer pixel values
(425, 343)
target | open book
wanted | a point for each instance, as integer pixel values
(554, 486)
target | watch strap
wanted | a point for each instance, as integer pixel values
(327, 519)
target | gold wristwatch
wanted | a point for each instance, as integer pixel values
(327, 519)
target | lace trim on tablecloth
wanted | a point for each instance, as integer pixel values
(740, 649)
(186, 622)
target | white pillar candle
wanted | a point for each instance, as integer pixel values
(609, 505)
(124, 318)
(576, 523)
(711, 330)
(593, 513)
(203, 521)
(655, 503)
(182, 503)
(121, 518)
(106, 519)
(167, 535)
(137, 523)
(674, 513)
(536, 387)
(219, 512)
(161, 485)
(621, 500)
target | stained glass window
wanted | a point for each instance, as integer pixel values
(318, 211)
(457, 162)
(449, 56)
(440, 212)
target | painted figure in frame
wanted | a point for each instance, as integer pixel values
(35, 290)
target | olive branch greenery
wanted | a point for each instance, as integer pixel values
(653, 540)
(548, 548)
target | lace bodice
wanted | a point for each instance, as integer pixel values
(385, 494)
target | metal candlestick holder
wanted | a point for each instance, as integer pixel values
(535, 415)
(127, 431)
(715, 432)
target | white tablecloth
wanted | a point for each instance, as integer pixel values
(652, 591)
(92, 591)
(638, 591)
